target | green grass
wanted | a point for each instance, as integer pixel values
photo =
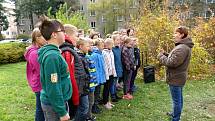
(151, 101)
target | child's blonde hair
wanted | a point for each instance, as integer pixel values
(70, 29)
(80, 42)
(127, 40)
(115, 32)
(114, 37)
(108, 41)
(36, 33)
(98, 42)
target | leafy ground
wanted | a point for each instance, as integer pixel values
(150, 103)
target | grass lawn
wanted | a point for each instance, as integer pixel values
(151, 101)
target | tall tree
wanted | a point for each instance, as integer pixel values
(3, 19)
(67, 16)
(28, 8)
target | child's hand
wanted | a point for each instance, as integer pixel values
(135, 67)
(162, 51)
(65, 118)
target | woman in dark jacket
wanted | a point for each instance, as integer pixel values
(177, 62)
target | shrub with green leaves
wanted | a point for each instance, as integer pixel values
(12, 52)
(23, 36)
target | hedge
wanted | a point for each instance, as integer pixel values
(12, 52)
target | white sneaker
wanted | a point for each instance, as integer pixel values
(107, 106)
(112, 105)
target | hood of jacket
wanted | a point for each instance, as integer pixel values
(187, 41)
(96, 50)
(69, 40)
(29, 50)
(44, 49)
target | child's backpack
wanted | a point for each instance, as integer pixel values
(77, 66)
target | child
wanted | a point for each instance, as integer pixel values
(33, 70)
(137, 65)
(118, 65)
(99, 61)
(71, 58)
(110, 72)
(55, 77)
(89, 65)
(128, 66)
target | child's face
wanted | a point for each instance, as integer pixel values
(109, 45)
(177, 36)
(131, 32)
(85, 47)
(117, 41)
(95, 37)
(130, 44)
(101, 46)
(135, 42)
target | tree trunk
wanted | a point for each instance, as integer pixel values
(32, 20)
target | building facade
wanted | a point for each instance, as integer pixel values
(119, 21)
(11, 32)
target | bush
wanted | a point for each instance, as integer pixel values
(1, 37)
(23, 36)
(12, 52)
(205, 36)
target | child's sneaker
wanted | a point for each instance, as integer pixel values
(130, 96)
(112, 105)
(93, 118)
(96, 109)
(107, 106)
(126, 97)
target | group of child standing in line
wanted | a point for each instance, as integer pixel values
(66, 70)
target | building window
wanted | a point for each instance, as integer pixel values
(133, 4)
(7, 33)
(93, 1)
(13, 33)
(103, 19)
(210, 1)
(22, 31)
(93, 25)
(181, 2)
(208, 14)
(82, 8)
(115, 7)
(22, 22)
(119, 18)
(30, 27)
(92, 13)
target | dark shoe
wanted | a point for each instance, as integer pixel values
(100, 102)
(96, 109)
(169, 114)
(114, 100)
(93, 118)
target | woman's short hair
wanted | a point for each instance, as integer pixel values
(182, 30)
